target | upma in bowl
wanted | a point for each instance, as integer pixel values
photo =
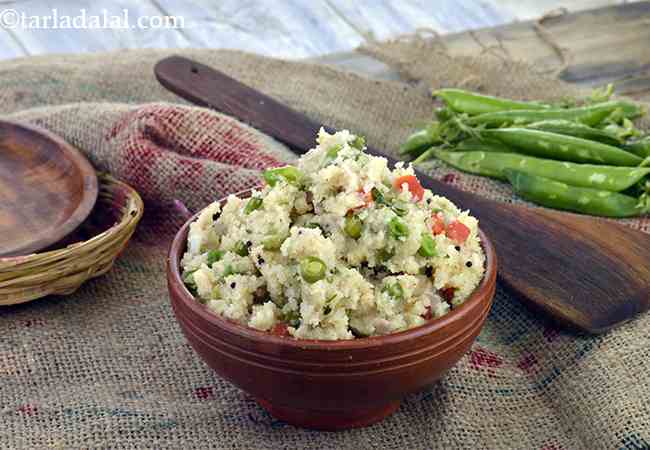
(338, 246)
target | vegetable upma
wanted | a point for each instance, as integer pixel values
(336, 247)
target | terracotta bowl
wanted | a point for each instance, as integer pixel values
(329, 385)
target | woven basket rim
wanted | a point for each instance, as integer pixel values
(45, 264)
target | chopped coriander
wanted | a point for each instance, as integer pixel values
(397, 228)
(253, 204)
(214, 256)
(359, 143)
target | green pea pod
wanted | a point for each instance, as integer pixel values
(470, 103)
(640, 147)
(554, 194)
(589, 115)
(420, 140)
(576, 129)
(561, 147)
(467, 145)
(491, 164)
(481, 145)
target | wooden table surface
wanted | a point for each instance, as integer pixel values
(605, 44)
(600, 46)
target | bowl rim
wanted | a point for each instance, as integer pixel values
(175, 281)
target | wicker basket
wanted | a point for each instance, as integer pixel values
(97, 242)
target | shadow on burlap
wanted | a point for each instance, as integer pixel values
(108, 367)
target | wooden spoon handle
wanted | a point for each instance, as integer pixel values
(589, 273)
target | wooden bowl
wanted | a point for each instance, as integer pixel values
(92, 249)
(329, 385)
(47, 187)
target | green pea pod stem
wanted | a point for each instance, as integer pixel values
(470, 103)
(554, 194)
(443, 114)
(491, 164)
(420, 140)
(561, 147)
(589, 115)
(576, 129)
(426, 155)
(640, 147)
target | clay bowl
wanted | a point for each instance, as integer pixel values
(47, 189)
(324, 384)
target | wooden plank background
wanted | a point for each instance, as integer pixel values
(610, 44)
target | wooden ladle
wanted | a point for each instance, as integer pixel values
(589, 273)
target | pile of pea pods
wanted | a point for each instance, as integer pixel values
(589, 159)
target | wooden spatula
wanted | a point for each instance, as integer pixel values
(589, 273)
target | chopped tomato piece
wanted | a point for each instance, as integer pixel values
(367, 200)
(280, 329)
(438, 226)
(447, 293)
(427, 315)
(457, 232)
(414, 186)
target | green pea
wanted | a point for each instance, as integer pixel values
(359, 143)
(397, 228)
(353, 226)
(214, 256)
(312, 269)
(216, 292)
(288, 173)
(400, 208)
(227, 271)
(188, 277)
(241, 248)
(384, 255)
(253, 204)
(427, 246)
(395, 290)
(273, 242)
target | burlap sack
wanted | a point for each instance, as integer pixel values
(108, 367)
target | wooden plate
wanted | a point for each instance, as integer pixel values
(47, 188)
